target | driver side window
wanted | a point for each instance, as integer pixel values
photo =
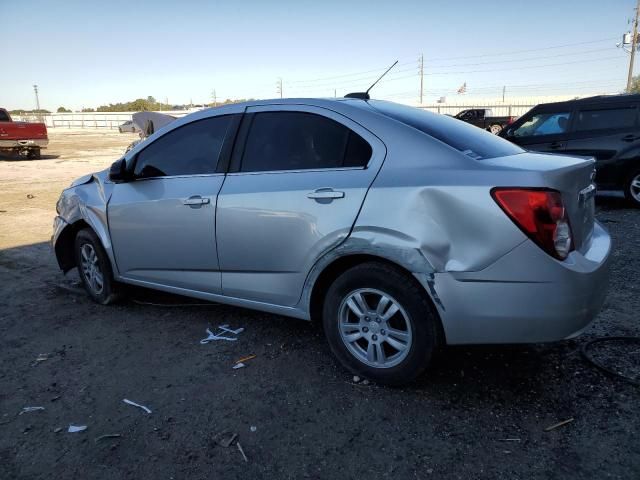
(192, 149)
(544, 124)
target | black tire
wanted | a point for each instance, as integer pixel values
(34, 154)
(632, 179)
(414, 302)
(109, 291)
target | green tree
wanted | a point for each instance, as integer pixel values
(63, 110)
(88, 110)
(635, 85)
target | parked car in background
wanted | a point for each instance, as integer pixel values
(604, 127)
(399, 229)
(485, 119)
(22, 138)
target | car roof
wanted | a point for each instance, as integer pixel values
(597, 100)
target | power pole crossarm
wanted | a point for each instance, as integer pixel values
(634, 42)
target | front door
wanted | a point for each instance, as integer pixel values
(162, 223)
(299, 177)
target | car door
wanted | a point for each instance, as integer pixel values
(162, 223)
(606, 133)
(542, 131)
(298, 179)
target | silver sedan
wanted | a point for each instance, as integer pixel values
(400, 230)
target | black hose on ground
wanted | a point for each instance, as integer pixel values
(584, 351)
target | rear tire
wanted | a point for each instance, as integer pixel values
(34, 154)
(632, 188)
(380, 323)
(94, 268)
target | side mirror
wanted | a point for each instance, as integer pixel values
(118, 171)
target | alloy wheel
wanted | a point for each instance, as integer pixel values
(91, 268)
(375, 328)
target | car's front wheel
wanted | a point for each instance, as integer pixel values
(632, 188)
(94, 268)
(380, 324)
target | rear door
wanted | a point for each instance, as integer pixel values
(298, 178)
(542, 131)
(605, 132)
(162, 223)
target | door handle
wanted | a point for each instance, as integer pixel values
(325, 194)
(556, 145)
(630, 138)
(196, 201)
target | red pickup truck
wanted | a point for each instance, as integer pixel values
(22, 138)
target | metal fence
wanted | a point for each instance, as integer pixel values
(90, 120)
(111, 120)
(499, 109)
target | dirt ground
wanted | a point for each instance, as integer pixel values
(479, 412)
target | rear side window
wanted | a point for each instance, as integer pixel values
(548, 123)
(4, 116)
(192, 149)
(605, 119)
(301, 141)
(468, 139)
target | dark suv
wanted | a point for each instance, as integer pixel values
(604, 127)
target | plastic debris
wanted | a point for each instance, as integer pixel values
(218, 335)
(225, 439)
(238, 365)
(242, 451)
(76, 428)
(30, 409)
(108, 435)
(225, 328)
(356, 379)
(57, 430)
(129, 402)
(559, 424)
(41, 358)
(253, 428)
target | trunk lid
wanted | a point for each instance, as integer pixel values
(573, 177)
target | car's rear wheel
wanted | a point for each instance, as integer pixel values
(632, 188)
(94, 268)
(380, 323)
(495, 129)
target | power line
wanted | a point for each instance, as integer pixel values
(512, 52)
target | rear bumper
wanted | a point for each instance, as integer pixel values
(40, 143)
(526, 296)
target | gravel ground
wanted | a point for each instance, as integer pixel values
(478, 412)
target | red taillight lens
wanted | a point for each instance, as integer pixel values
(541, 215)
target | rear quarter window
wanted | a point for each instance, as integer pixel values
(468, 139)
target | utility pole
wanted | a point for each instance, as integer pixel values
(215, 98)
(35, 89)
(504, 89)
(279, 86)
(422, 76)
(335, 95)
(634, 41)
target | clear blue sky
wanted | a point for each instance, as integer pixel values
(88, 53)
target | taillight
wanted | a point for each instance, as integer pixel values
(541, 215)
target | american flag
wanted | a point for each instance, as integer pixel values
(463, 88)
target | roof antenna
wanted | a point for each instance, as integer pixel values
(365, 95)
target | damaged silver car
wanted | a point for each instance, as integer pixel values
(400, 230)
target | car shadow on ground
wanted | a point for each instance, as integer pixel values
(514, 367)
